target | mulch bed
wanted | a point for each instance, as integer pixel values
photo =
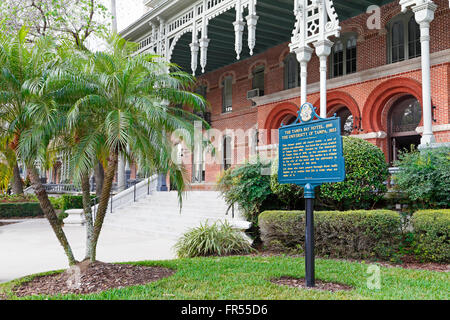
(319, 285)
(93, 278)
(408, 262)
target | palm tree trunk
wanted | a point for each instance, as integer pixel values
(49, 212)
(17, 183)
(99, 174)
(103, 203)
(86, 187)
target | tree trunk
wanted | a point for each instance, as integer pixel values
(17, 183)
(86, 187)
(49, 212)
(103, 203)
(99, 174)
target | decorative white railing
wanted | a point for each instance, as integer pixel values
(130, 195)
(181, 21)
(185, 19)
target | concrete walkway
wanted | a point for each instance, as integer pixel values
(30, 246)
(143, 230)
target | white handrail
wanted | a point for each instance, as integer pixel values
(131, 194)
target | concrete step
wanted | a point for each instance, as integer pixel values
(158, 215)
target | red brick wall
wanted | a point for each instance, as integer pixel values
(371, 52)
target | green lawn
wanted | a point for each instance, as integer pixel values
(249, 278)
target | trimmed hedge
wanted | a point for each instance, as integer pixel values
(348, 234)
(20, 209)
(432, 235)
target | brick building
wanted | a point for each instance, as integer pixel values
(376, 68)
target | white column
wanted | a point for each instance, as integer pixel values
(194, 47)
(323, 50)
(239, 26)
(204, 41)
(303, 56)
(161, 48)
(424, 14)
(252, 20)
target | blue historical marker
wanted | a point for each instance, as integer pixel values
(310, 153)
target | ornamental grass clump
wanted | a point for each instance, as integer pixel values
(218, 239)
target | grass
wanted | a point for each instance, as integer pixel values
(248, 278)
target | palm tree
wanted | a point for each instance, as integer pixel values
(127, 100)
(29, 114)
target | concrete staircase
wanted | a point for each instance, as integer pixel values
(158, 215)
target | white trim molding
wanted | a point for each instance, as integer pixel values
(436, 128)
(371, 135)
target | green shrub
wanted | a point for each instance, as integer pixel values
(350, 234)
(247, 186)
(366, 172)
(432, 235)
(289, 194)
(424, 177)
(208, 240)
(57, 203)
(20, 210)
(72, 202)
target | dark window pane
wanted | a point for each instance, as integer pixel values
(397, 42)
(346, 121)
(227, 94)
(413, 38)
(401, 53)
(351, 60)
(258, 80)
(406, 115)
(227, 155)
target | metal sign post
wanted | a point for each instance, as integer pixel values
(310, 153)
(309, 236)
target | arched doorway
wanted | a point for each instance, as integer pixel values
(285, 113)
(347, 120)
(403, 119)
(288, 119)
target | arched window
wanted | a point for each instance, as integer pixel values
(350, 57)
(291, 72)
(227, 94)
(347, 121)
(403, 119)
(258, 79)
(343, 56)
(403, 38)
(414, 46)
(227, 154)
